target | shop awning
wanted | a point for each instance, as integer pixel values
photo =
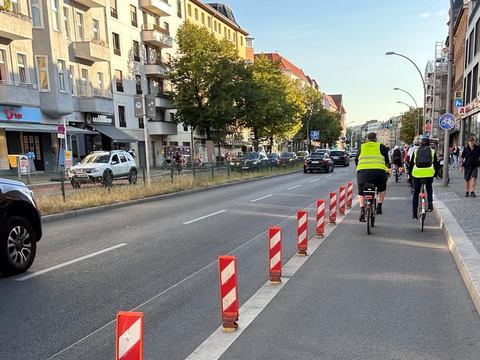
(115, 134)
(41, 128)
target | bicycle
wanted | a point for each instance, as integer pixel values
(422, 206)
(370, 192)
(166, 165)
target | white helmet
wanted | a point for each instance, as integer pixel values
(396, 147)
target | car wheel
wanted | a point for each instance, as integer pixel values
(132, 178)
(305, 171)
(107, 180)
(75, 184)
(18, 245)
(333, 167)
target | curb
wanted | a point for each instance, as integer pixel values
(464, 252)
(90, 210)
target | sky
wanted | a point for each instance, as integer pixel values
(342, 44)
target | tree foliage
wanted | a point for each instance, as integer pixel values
(407, 131)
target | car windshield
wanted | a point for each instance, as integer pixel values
(251, 156)
(287, 155)
(96, 159)
(337, 153)
(272, 156)
(317, 156)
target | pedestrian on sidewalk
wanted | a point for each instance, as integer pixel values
(455, 153)
(470, 161)
(423, 166)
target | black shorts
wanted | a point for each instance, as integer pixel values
(470, 173)
(377, 178)
(398, 162)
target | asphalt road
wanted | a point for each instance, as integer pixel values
(167, 269)
(161, 259)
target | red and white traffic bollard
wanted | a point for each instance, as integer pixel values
(302, 232)
(342, 201)
(349, 195)
(129, 336)
(275, 254)
(333, 209)
(227, 266)
(320, 224)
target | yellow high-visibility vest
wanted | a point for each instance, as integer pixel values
(371, 157)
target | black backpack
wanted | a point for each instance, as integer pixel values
(397, 155)
(424, 157)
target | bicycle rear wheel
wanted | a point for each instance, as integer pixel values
(369, 219)
(374, 210)
(396, 175)
(422, 221)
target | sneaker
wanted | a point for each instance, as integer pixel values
(415, 216)
(467, 194)
(378, 210)
(472, 194)
(430, 207)
(362, 215)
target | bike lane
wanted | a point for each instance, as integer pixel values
(395, 294)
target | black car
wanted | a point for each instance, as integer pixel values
(318, 161)
(340, 157)
(20, 227)
(253, 161)
(274, 159)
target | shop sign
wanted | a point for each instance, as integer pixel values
(458, 95)
(24, 165)
(98, 120)
(462, 111)
(22, 113)
(68, 159)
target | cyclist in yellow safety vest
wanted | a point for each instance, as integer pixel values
(372, 168)
(423, 173)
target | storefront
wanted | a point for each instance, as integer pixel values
(109, 137)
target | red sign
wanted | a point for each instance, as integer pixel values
(61, 129)
(12, 114)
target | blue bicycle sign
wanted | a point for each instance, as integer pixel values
(447, 121)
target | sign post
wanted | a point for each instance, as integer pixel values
(140, 111)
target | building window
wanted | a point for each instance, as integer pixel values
(169, 58)
(119, 80)
(3, 66)
(113, 9)
(42, 67)
(466, 54)
(138, 84)
(186, 143)
(249, 42)
(116, 44)
(475, 82)
(141, 124)
(55, 16)
(203, 18)
(80, 26)
(189, 10)
(121, 116)
(470, 50)
(133, 15)
(61, 76)
(172, 117)
(36, 13)
(166, 26)
(477, 37)
(185, 128)
(100, 82)
(241, 40)
(136, 50)
(73, 85)
(96, 29)
(225, 31)
(22, 68)
(84, 80)
(209, 22)
(196, 14)
(215, 25)
(66, 22)
(15, 6)
(179, 8)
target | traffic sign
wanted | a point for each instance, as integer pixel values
(447, 121)
(61, 129)
(458, 103)
(315, 134)
(458, 95)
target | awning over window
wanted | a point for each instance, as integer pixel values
(115, 133)
(41, 128)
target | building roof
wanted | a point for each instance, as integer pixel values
(338, 99)
(224, 10)
(331, 102)
(287, 65)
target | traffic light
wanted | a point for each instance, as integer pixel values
(390, 123)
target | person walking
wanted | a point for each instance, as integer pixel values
(470, 161)
(423, 166)
(455, 153)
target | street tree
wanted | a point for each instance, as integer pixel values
(327, 122)
(407, 131)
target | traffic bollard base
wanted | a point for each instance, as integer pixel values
(331, 223)
(302, 253)
(275, 282)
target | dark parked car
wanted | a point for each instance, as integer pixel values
(318, 161)
(287, 158)
(301, 155)
(235, 164)
(253, 161)
(274, 159)
(20, 227)
(340, 157)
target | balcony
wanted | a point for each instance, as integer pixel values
(156, 69)
(92, 50)
(157, 36)
(164, 102)
(95, 101)
(19, 94)
(15, 26)
(162, 128)
(158, 7)
(92, 3)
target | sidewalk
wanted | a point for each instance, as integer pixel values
(395, 294)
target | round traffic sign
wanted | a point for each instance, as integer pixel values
(61, 129)
(447, 121)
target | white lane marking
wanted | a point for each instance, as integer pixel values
(129, 338)
(216, 345)
(214, 263)
(294, 187)
(328, 176)
(204, 217)
(37, 273)
(315, 180)
(263, 197)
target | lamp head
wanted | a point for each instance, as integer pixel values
(390, 53)
(396, 89)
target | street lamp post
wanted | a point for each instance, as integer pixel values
(423, 82)
(417, 124)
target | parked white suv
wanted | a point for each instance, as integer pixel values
(104, 167)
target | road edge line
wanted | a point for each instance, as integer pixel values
(465, 254)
